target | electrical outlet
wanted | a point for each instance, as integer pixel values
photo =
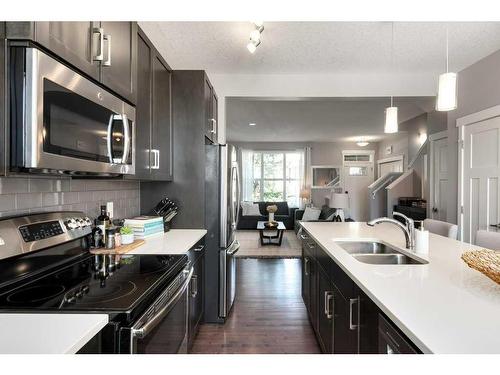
(109, 209)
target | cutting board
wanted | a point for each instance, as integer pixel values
(119, 250)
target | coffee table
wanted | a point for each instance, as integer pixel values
(275, 239)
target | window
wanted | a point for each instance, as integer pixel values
(276, 176)
(357, 171)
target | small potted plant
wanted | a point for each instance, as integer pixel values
(127, 235)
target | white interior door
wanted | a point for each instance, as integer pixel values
(439, 184)
(481, 172)
(357, 179)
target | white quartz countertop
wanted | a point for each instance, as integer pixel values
(443, 306)
(175, 241)
(48, 333)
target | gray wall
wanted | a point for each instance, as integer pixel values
(23, 195)
(478, 89)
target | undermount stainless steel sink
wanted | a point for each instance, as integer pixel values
(373, 252)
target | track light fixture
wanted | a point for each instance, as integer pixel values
(255, 36)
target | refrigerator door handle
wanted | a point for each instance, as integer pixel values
(234, 248)
(231, 187)
(238, 196)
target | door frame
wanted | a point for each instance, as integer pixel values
(432, 138)
(390, 159)
(461, 123)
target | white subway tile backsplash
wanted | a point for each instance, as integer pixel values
(29, 200)
(37, 185)
(23, 195)
(13, 185)
(69, 197)
(7, 202)
(50, 199)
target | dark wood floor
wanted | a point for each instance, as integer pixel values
(268, 315)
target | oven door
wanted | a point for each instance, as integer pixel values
(72, 124)
(162, 329)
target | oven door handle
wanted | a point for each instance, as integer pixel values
(157, 318)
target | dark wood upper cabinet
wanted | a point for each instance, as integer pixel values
(153, 114)
(211, 124)
(118, 68)
(73, 41)
(161, 133)
(105, 51)
(143, 114)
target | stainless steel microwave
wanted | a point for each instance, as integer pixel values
(62, 122)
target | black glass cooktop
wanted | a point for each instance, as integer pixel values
(96, 283)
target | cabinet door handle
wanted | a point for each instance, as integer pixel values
(194, 291)
(100, 54)
(107, 38)
(311, 245)
(329, 297)
(325, 299)
(156, 159)
(199, 248)
(214, 126)
(352, 326)
(304, 237)
(306, 266)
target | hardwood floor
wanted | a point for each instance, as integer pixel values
(268, 315)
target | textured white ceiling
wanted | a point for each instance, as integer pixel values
(315, 120)
(322, 47)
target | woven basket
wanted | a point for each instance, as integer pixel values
(484, 261)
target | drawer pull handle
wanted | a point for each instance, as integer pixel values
(199, 248)
(352, 326)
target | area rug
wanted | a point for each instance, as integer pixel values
(250, 246)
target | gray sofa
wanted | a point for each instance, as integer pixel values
(326, 213)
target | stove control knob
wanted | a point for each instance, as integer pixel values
(71, 224)
(85, 289)
(71, 299)
(79, 222)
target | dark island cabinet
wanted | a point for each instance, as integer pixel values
(153, 114)
(196, 291)
(105, 51)
(345, 320)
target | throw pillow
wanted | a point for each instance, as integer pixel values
(250, 209)
(311, 213)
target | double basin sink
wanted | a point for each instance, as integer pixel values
(374, 252)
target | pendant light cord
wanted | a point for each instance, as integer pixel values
(392, 53)
(447, 47)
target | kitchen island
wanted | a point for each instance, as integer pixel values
(48, 333)
(442, 306)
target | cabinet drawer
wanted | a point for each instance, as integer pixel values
(196, 251)
(343, 282)
(391, 340)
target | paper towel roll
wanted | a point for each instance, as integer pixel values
(422, 241)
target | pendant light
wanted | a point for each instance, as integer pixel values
(447, 86)
(391, 113)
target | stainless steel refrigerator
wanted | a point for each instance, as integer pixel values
(230, 197)
(222, 196)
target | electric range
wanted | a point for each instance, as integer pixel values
(49, 269)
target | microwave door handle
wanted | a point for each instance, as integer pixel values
(143, 331)
(110, 139)
(126, 135)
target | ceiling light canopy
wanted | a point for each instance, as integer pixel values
(252, 124)
(447, 87)
(362, 143)
(255, 36)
